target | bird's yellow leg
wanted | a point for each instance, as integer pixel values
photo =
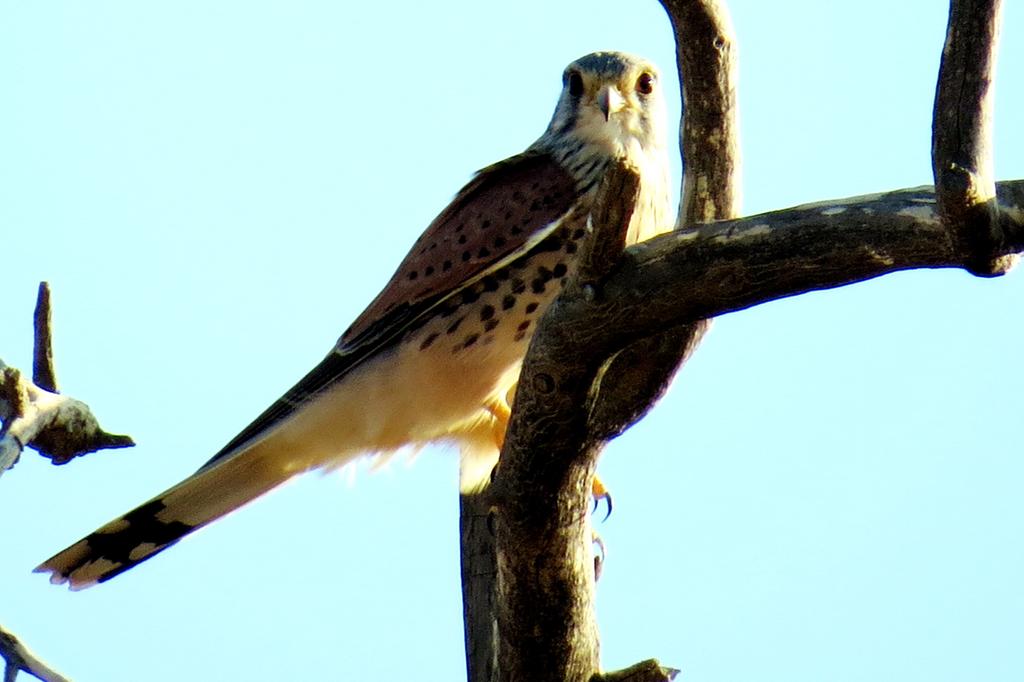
(601, 494)
(501, 410)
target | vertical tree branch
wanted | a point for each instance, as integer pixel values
(709, 131)
(546, 624)
(479, 575)
(43, 373)
(962, 135)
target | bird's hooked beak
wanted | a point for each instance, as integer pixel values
(609, 101)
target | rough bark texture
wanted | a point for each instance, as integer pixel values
(962, 135)
(726, 266)
(709, 131)
(479, 575)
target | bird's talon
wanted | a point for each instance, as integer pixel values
(601, 494)
(599, 557)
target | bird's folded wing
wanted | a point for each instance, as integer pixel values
(505, 211)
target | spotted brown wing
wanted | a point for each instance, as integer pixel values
(504, 211)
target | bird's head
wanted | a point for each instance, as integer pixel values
(612, 100)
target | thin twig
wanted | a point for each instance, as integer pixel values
(644, 671)
(730, 265)
(19, 658)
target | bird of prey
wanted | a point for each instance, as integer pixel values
(436, 355)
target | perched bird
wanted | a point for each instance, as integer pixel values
(436, 355)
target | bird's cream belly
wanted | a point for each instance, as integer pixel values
(434, 393)
(405, 397)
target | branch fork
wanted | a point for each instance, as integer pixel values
(609, 345)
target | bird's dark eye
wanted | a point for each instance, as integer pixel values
(645, 83)
(575, 84)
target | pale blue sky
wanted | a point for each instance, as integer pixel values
(831, 490)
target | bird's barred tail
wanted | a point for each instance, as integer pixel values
(156, 525)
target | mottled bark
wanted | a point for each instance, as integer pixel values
(34, 415)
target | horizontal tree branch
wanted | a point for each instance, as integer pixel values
(671, 280)
(726, 266)
(57, 426)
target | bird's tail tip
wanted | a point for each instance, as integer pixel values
(74, 567)
(91, 561)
